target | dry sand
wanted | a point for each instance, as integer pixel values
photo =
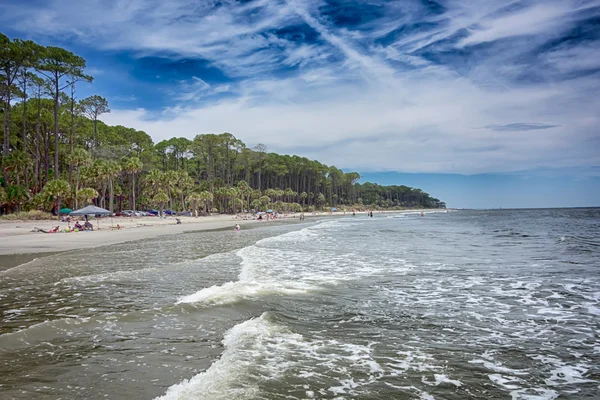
(16, 237)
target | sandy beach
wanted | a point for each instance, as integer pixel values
(20, 237)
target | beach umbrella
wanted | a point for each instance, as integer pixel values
(90, 210)
(334, 209)
(269, 211)
(65, 211)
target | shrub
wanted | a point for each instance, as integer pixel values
(33, 215)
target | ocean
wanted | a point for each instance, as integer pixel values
(500, 304)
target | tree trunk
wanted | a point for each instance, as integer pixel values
(95, 134)
(133, 190)
(47, 153)
(76, 188)
(25, 127)
(6, 125)
(72, 136)
(110, 194)
(56, 97)
(103, 200)
(58, 201)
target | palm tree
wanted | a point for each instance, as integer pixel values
(206, 197)
(289, 193)
(321, 200)
(221, 194)
(154, 179)
(133, 166)
(112, 171)
(280, 194)
(77, 159)
(194, 198)
(87, 194)
(57, 188)
(100, 171)
(272, 194)
(264, 200)
(184, 183)
(160, 199)
(245, 190)
(17, 161)
(256, 204)
(16, 196)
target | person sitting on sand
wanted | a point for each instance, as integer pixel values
(88, 226)
(78, 225)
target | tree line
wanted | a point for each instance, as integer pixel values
(56, 151)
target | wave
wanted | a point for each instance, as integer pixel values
(262, 273)
(233, 292)
(297, 262)
(222, 380)
(262, 348)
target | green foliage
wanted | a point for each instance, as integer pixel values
(49, 135)
(86, 195)
(57, 188)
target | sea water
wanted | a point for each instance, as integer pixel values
(457, 305)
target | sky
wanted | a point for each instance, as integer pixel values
(481, 103)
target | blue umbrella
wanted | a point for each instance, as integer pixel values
(334, 209)
(269, 211)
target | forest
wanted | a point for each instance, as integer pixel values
(57, 152)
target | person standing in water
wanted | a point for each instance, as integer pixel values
(237, 228)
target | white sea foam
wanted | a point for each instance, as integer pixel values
(222, 380)
(568, 374)
(507, 382)
(498, 367)
(233, 292)
(279, 265)
(439, 379)
(260, 349)
(533, 394)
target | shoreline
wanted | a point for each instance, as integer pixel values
(18, 239)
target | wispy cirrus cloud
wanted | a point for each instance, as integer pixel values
(520, 127)
(377, 81)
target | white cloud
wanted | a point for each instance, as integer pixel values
(540, 18)
(348, 102)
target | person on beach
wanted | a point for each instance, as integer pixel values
(88, 226)
(53, 230)
(237, 228)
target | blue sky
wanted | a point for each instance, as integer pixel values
(481, 103)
